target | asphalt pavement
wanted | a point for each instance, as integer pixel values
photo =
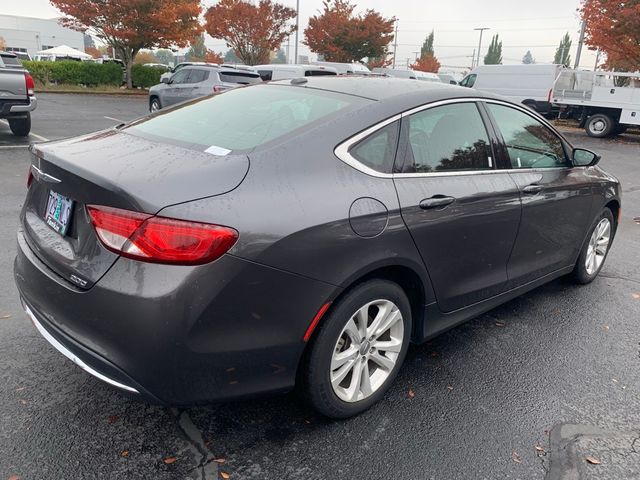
(527, 391)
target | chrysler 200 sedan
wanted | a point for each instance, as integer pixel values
(299, 234)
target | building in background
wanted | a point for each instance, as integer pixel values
(30, 35)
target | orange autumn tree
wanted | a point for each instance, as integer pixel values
(131, 25)
(339, 35)
(213, 57)
(426, 63)
(613, 26)
(253, 32)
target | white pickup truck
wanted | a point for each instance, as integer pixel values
(17, 99)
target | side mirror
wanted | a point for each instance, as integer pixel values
(584, 158)
(164, 79)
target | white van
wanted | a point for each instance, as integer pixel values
(408, 73)
(347, 68)
(283, 71)
(527, 84)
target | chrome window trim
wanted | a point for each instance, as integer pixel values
(342, 150)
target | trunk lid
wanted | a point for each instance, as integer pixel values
(119, 170)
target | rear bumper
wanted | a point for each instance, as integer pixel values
(14, 108)
(177, 335)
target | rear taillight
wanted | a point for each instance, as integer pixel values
(29, 178)
(154, 239)
(217, 89)
(29, 83)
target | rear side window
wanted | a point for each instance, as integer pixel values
(198, 76)
(318, 73)
(530, 143)
(240, 78)
(11, 61)
(265, 75)
(447, 138)
(244, 118)
(378, 150)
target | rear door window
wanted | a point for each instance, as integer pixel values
(10, 61)
(198, 76)
(447, 138)
(242, 78)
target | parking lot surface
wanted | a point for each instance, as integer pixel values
(527, 391)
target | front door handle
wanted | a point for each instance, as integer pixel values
(437, 201)
(533, 189)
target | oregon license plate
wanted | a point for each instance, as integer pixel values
(58, 213)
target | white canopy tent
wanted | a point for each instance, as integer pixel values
(64, 51)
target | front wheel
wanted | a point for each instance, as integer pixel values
(154, 105)
(595, 251)
(20, 126)
(358, 349)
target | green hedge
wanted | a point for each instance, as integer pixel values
(145, 76)
(75, 73)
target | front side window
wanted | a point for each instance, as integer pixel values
(530, 143)
(378, 150)
(181, 77)
(469, 81)
(447, 138)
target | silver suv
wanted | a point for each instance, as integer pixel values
(197, 81)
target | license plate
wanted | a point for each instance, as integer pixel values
(58, 213)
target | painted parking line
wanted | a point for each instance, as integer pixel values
(39, 137)
(114, 119)
(5, 147)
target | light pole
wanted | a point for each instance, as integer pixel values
(482, 29)
(295, 60)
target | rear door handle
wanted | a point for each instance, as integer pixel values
(437, 201)
(533, 189)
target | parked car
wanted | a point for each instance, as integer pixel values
(407, 73)
(447, 78)
(276, 71)
(530, 85)
(186, 64)
(22, 56)
(193, 81)
(17, 97)
(301, 232)
(347, 68)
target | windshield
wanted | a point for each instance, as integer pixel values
(243, 118)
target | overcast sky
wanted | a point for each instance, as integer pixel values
(534, 25)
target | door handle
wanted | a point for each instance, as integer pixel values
(436, 201)
(533, 189)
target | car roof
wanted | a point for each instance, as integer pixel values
(386, 88)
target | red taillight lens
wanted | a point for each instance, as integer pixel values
(217, 89)
(31, 86)
(158, 239)
(29, 178)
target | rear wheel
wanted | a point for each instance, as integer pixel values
(599, 125)
(358, 349)
(595, 251)
(20, 126)
(154, 105)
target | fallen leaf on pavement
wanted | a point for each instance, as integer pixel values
(23, 401)
(634, 295)
(4, 317)
(19, 389)
(13, 477)
(615, 380)
(219, 460)
(515, 457)
(112, 418)
(592, 460)
(450, 387)
(124, 453)
(539, 449)
(605, 327)
(169, 460)
(411, 393)
(500, 323)
(224, 475)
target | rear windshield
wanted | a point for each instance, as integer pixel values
(240, 77)
(10, 61)
(243, 118)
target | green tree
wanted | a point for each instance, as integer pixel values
(280, 57)
(528, 58)
(494, 54)
(427, 46)
(231, 57)
(198, 50)
(562, 56)
(165, 56)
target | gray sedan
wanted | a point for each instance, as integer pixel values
(197, 81)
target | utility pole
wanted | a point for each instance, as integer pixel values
(482, 29)
(473, 59)
(580, 43)
(395, 45)
(295, 61)
(288, 44)
(595, 67)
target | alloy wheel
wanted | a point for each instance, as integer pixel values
(367, 350)
(598, 246)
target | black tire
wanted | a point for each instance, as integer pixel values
(580, 273)
(154, 104)
(20, 126)
(599, 125)
(314, 380)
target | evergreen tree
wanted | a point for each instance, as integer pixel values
(231, 57)
(198, 49)
(280, 57)
(427, 46)
(494, 54)
(562, 56)
(165, 56)
(528, 58)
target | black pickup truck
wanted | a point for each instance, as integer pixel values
(17, 99)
